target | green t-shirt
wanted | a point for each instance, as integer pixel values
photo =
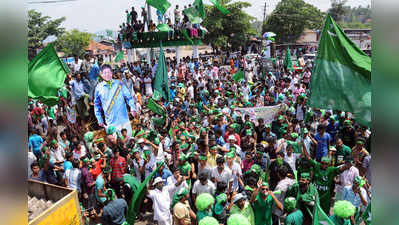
(294, 218)
(184, 169)
(303, 200)
(296, 147)
(247, 212)
(339, 221)
(202, 214)
(342, 153)
(323, 179)
(263, 210)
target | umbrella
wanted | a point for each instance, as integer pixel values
(268, 34)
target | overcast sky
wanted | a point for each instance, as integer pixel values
(98, 15)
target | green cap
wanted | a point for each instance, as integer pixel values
(360, 181)
(85, 160)
(280, 117)
(110, 130)
(53, 142)
(294, 135)
(265, 184)
(325, 159)
(248, 132)
(202, 157)
(268, 126)
(305, 176)
(290, 204)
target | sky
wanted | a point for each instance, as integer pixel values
(97, 15)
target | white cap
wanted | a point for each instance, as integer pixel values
(157, 180)
(231, 137)
(141, 140)
(238, 197)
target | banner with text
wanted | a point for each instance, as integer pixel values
(267, 113)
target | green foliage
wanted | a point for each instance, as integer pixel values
(355, 18)
(40, 27)
(290, 18)
(231, 30)
(74, 42)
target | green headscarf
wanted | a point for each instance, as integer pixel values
(179, 195)
(203, 201)
(344, 209)
(237, 219)
(208, 220)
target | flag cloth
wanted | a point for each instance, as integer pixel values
(138, 197)
(118, 56)
(161, 83)
(185, 34)
(163, 27)
(46, 75)
(199, 6)
(222, 9)
(341, 77)
(238, 76)
(288, 60)
(193, 15)
(365, 216)
(155, 107)
(319, 217)
(161, 5)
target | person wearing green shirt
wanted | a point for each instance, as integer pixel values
(343, 151)
(306, 195)
(241, 206)
(344, 213)
(294, 215)
(323, 178)
(263, 201)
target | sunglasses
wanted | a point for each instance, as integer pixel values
(264, 189)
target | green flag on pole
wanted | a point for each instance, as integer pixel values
(46, 75)
(185, 34)
(319, 217)
(164, 27)
(288, 60)
(161, 82)
(219, 6)
(193, 15)
(238, 76)
(118, 56)
(155, 107)
(199, 6)
(341, 78)
(161, 5)
(138, 197)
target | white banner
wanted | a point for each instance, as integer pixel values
(267, 113)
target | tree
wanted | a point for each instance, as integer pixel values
(40, 27)
(231, 30)
(338, 10)
(74, 42)
(290, 18)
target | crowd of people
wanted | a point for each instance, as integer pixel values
(215, 164)
(138, 30)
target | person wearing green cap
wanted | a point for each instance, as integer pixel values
(324, 178)
(305, 194)
(57, 153)
(220, 209)
(235, 168)
(204, 203)
(182, 213)
(294, 215)
(87, 184)
(343, 213)
(263, 201)
(348, 134)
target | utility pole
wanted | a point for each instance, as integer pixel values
(264, 13)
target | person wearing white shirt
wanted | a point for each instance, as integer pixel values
(203, 185)
(346, 179)
(282, 186)
(173, 180)
(221, 173)
(235, 170)
(161, 200)
(290, 158)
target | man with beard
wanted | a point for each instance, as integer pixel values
(306, 195)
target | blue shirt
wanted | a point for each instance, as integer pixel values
(116, 113)
(222, 128)
(77, 88)
(220, 141)
(35, 142)
(165, 174)
(94, 72)
(322, 144)
(67, 165)
(115, 211)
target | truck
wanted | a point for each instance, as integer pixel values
(64, 209)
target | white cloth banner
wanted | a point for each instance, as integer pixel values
(267, 113)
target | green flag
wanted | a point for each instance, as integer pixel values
(222, 9)
(288, 60)
(163, 27)
(118, 56)
(161, 82)
(319, 217)
(193, 15)
(238, 76)
(138, 197)
(199, 6)
(341, 78)
(155, 107)
(46, 75)
(365, 216)
(161, 5)
(185, 34)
